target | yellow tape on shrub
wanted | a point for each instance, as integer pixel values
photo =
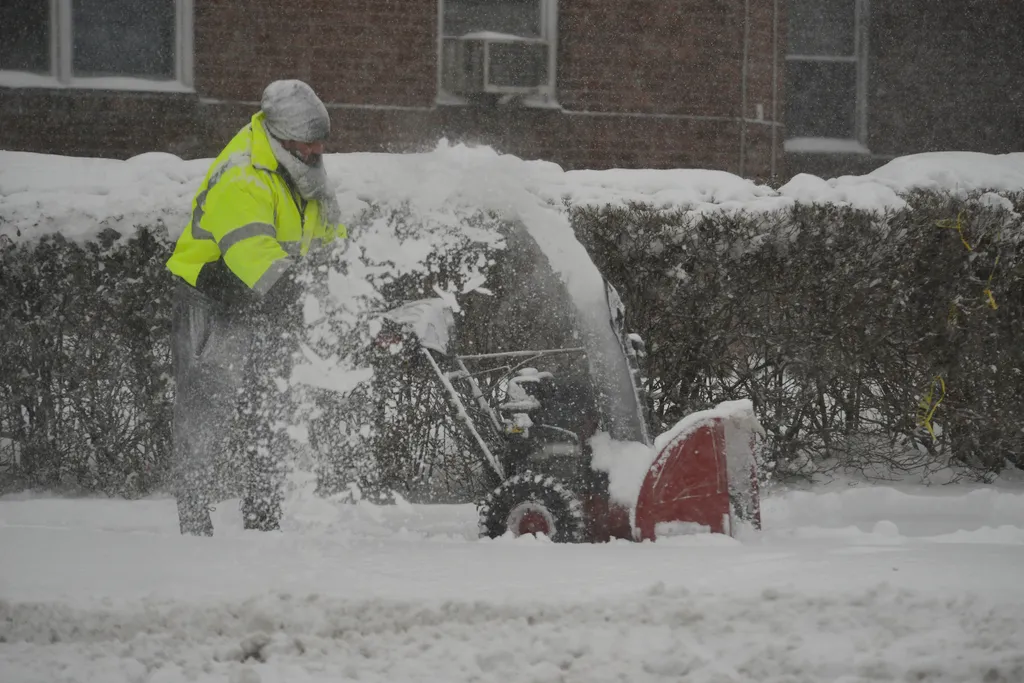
(928, 404)
(959, 227)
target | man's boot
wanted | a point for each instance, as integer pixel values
(261, 514)
(194, 516)
(264, 477)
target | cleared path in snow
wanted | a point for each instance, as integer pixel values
(869, 584)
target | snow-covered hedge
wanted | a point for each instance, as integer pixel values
(85, 376)
(861, 337)
(867, 317)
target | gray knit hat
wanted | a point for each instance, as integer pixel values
(294, 112)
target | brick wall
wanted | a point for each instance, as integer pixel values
(379, 52)
(763, 156)
(652, 83)
(651, 56)
(642, 82)
(680, 63)
(100, 123)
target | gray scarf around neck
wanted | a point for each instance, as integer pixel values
(310, 181)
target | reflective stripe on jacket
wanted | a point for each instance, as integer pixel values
(247, 213)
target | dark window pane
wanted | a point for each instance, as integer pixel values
(25, 35)
(518, 65)
(821, 99)
(118, 38)
(821, 27)
(517, 17)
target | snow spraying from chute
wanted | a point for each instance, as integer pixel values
(488, 181)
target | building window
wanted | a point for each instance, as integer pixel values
(492, 51)
(826, 76)
(96, 43)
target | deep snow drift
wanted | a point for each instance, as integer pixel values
(849, 584)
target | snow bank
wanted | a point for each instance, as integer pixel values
(939, 512)
(79, 197)
(1005, 534)
(661, 635)
(41, 194)
(695, 188)
(107, 590)
(959, 173)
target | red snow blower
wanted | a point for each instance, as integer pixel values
(517, 388)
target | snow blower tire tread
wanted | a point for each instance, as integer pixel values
(559, 501)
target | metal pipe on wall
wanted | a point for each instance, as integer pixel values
(775, 87)
(743, 87)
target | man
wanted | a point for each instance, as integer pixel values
(264, 203)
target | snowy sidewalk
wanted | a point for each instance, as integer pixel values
(867, 584)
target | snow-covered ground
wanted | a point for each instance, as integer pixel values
(850, 584)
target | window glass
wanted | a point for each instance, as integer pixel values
(516, 17)
(116, 38)
(822, 99)
(25, 35)
(518, 64)
(821, 27)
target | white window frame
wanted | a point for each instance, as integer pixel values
(546, 97)
(61, 74)
(858, 144)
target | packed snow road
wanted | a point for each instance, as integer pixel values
(848, 585)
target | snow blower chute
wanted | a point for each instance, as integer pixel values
(533, 375)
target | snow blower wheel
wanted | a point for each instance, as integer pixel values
(533, 504)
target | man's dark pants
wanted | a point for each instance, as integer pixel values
(225, 406)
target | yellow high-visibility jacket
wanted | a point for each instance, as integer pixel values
(246, 213)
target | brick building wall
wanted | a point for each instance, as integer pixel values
(357, 52)
(99, 123)
(640, 83)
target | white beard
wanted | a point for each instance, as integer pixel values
(310, 181)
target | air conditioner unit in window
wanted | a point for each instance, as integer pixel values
(496, 63)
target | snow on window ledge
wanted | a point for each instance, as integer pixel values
(825, 146)
(22, 79)
(499, 37)
(529, 101)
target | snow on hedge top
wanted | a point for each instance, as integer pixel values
(78, 197)
(955, 172)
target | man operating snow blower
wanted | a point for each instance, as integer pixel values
(265, 202)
